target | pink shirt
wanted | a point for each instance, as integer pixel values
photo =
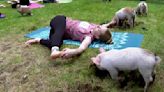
(78, 30)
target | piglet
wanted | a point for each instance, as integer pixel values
(127, 59)
(142, 8)
(24, 9)
(125, 18)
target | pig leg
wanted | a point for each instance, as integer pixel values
(113, 73)
(147, 75)
(130, 22)
(153, 75)
(123, 23)
(133, 20)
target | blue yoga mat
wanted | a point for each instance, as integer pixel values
(121, 39)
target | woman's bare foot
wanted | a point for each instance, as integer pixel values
(32, 41)
(55, 54)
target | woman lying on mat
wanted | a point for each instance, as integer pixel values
(66, 28)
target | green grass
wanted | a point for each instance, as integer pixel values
(71, 75)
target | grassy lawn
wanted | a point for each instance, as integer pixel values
(25, 69)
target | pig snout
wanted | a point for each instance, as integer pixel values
(96, 60)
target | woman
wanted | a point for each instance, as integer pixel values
(66, 28)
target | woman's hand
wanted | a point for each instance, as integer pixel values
(67, 53)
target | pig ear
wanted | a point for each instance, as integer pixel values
(96, 60)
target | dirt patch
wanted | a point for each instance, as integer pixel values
(2, 78)
(88, 88)
(1, 61)
(24, 79)
(4, 47)
(85, 87)
(18, 66)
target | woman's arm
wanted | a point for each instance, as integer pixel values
(84, 45)
(72, 52)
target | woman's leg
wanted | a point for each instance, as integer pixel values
(56, 37)
(45, 43)
(58, 27)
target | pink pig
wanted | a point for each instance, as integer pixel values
(131, 58)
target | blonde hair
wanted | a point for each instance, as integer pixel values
(106, 36)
